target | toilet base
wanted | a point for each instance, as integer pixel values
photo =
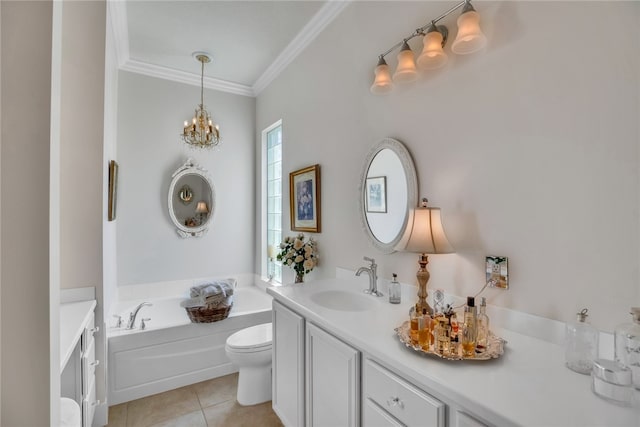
(254, 385)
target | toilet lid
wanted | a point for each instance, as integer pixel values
(253, 337)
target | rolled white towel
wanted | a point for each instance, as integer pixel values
(193, 302)
(213, 288)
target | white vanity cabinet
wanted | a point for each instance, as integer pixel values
(288, 365)
(390, 400)
(316, 377)
(333, 380)
(78, 357)
(88, 372)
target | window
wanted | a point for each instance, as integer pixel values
(272, 137)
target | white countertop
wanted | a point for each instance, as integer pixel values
(528, 385)
(73, 319)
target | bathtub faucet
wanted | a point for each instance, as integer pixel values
(373, 277)
(132, 316)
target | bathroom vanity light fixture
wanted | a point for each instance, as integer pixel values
(425, 235)
(201, 132)
(468, 40)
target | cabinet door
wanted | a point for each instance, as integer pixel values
(288, 365)
(333, 380)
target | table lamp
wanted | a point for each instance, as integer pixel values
(425, 235)
(202, 209)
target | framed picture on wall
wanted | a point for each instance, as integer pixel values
(113, 189)
(376, 197)
(304, 199)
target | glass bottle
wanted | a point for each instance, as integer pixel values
(442, 336)
(482, 337)
(394, 290)
(452, 318)
(469, 329)
(581, 345)
(424, 330)
(413, 324)
(627, 345)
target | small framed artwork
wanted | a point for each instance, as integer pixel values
(498, 271)
(304, 199)
(113, 189)
(376, 197)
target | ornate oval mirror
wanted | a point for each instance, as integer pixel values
(388, 189)
(191, 200)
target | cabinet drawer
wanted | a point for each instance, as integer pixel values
(410, 405)
(375, 416)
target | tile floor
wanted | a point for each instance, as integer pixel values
(207, 404)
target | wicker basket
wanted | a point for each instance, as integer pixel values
(209, 313)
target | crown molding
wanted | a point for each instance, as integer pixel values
(118, 11)
(309, 32)
(184, 77)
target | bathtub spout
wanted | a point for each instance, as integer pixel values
(132, 316)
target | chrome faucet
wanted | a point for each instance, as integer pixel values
(132, 316)
(373, 277)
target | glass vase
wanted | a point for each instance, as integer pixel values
(299, 278)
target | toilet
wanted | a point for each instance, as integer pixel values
(250, 350)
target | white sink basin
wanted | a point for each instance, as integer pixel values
(344, 301)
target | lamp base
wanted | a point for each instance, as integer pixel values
(423, 277)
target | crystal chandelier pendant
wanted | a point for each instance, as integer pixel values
(201, 132)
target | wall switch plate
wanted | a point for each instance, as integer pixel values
(497, 271)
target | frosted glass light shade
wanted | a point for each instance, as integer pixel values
(382, 83)
(432, 55)
(406, 71)
(425, 233)
(470, 38)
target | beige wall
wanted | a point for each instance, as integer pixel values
(82, 165)
(25, 104)
(149, 152)
(530, 147)
(82, 116)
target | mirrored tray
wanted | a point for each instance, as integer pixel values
(495, 347)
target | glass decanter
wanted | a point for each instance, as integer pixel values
(581, 345)
(627, 345)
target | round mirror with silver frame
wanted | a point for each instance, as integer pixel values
(388, 189)
(191, 219)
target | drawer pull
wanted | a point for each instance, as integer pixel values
(95, 363)
(395, 401)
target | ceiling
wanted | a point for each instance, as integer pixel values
(250, 41)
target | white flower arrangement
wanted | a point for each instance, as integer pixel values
(300, 255)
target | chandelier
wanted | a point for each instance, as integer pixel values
(201, 132)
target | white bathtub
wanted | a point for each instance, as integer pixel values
(173, 352)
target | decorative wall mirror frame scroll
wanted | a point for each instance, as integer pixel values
(191, 219)
(388, 159)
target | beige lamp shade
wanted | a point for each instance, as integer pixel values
(470, 38)
(432, 55)
(406, 71)
(382, 83)
(425, 233)
(202, 207)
